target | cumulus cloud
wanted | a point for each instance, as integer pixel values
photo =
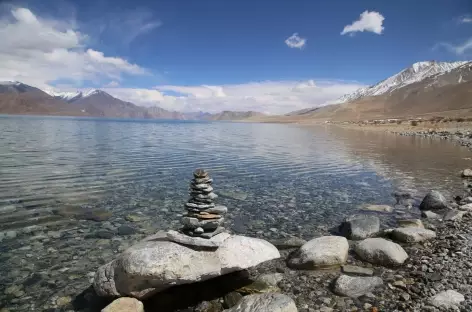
(38, 51)
(368, 21)
(460, 49)
(295, 41)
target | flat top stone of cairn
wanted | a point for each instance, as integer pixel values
(202, 223)
(200, 174)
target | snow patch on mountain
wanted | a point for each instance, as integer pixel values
(417, 72)
(73, 96)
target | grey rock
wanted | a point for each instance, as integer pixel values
(156, 264)
(126, 230)
(271, 279)
(209, 306)
(434, 200)
(209, 235)
(378, 208)
(410, 223)
(218, 209)
(270, 302)
(412, 235)
(193, 223)
(321, 252)
(447, 299)
(124, 305)
(215, 242)
(356, 286)
(430, 215)
(199, 230)
(454, 215)
(234, 195)
(356, 270)
(380, 251)
(467, 173)
(199, 206)
(231, 299)
(288, 243)
(359, 227)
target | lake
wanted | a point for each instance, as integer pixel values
(74, 192)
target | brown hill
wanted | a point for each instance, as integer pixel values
(446, 94)
(21, 99)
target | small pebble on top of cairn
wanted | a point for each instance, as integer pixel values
(203, 218)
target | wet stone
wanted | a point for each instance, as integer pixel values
(126, 230)
(356, 270)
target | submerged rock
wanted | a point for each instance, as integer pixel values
(380, 251)
(378, 208)
(430, 215)
(355, 270)
(321, 252)
(124, 304)
(156, 264)
(410, 223)
(412, 235)
(447, 299)
(273, 302)
(356, 286)
(433, 201)
(359, 227)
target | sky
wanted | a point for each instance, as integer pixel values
(212, 55)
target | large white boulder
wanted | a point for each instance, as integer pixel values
(156, 264)
(271, 302)
(380, 251)
(321, 252)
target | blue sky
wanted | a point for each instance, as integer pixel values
(223, 54)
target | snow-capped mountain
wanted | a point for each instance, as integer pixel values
(74, 96)
(416, 73)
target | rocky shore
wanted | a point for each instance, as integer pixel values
(381, 258)
(463, 138)
(417, 265)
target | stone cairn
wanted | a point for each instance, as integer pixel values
(203, 218)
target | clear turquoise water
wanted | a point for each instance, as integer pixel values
(277, 180)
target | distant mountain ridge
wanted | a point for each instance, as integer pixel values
(415, 73)
(425, 88)
(19, 98)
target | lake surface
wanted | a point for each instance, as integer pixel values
(75, 192)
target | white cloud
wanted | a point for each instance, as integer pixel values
(271, 97)
(295, 41)
(465, 20)
(368, 21)
(458, 49)
(38, 51)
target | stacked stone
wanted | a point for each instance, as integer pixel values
(203, 218)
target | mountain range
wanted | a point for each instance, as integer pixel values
(427, 88)
(424, 89)
(19, 98)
